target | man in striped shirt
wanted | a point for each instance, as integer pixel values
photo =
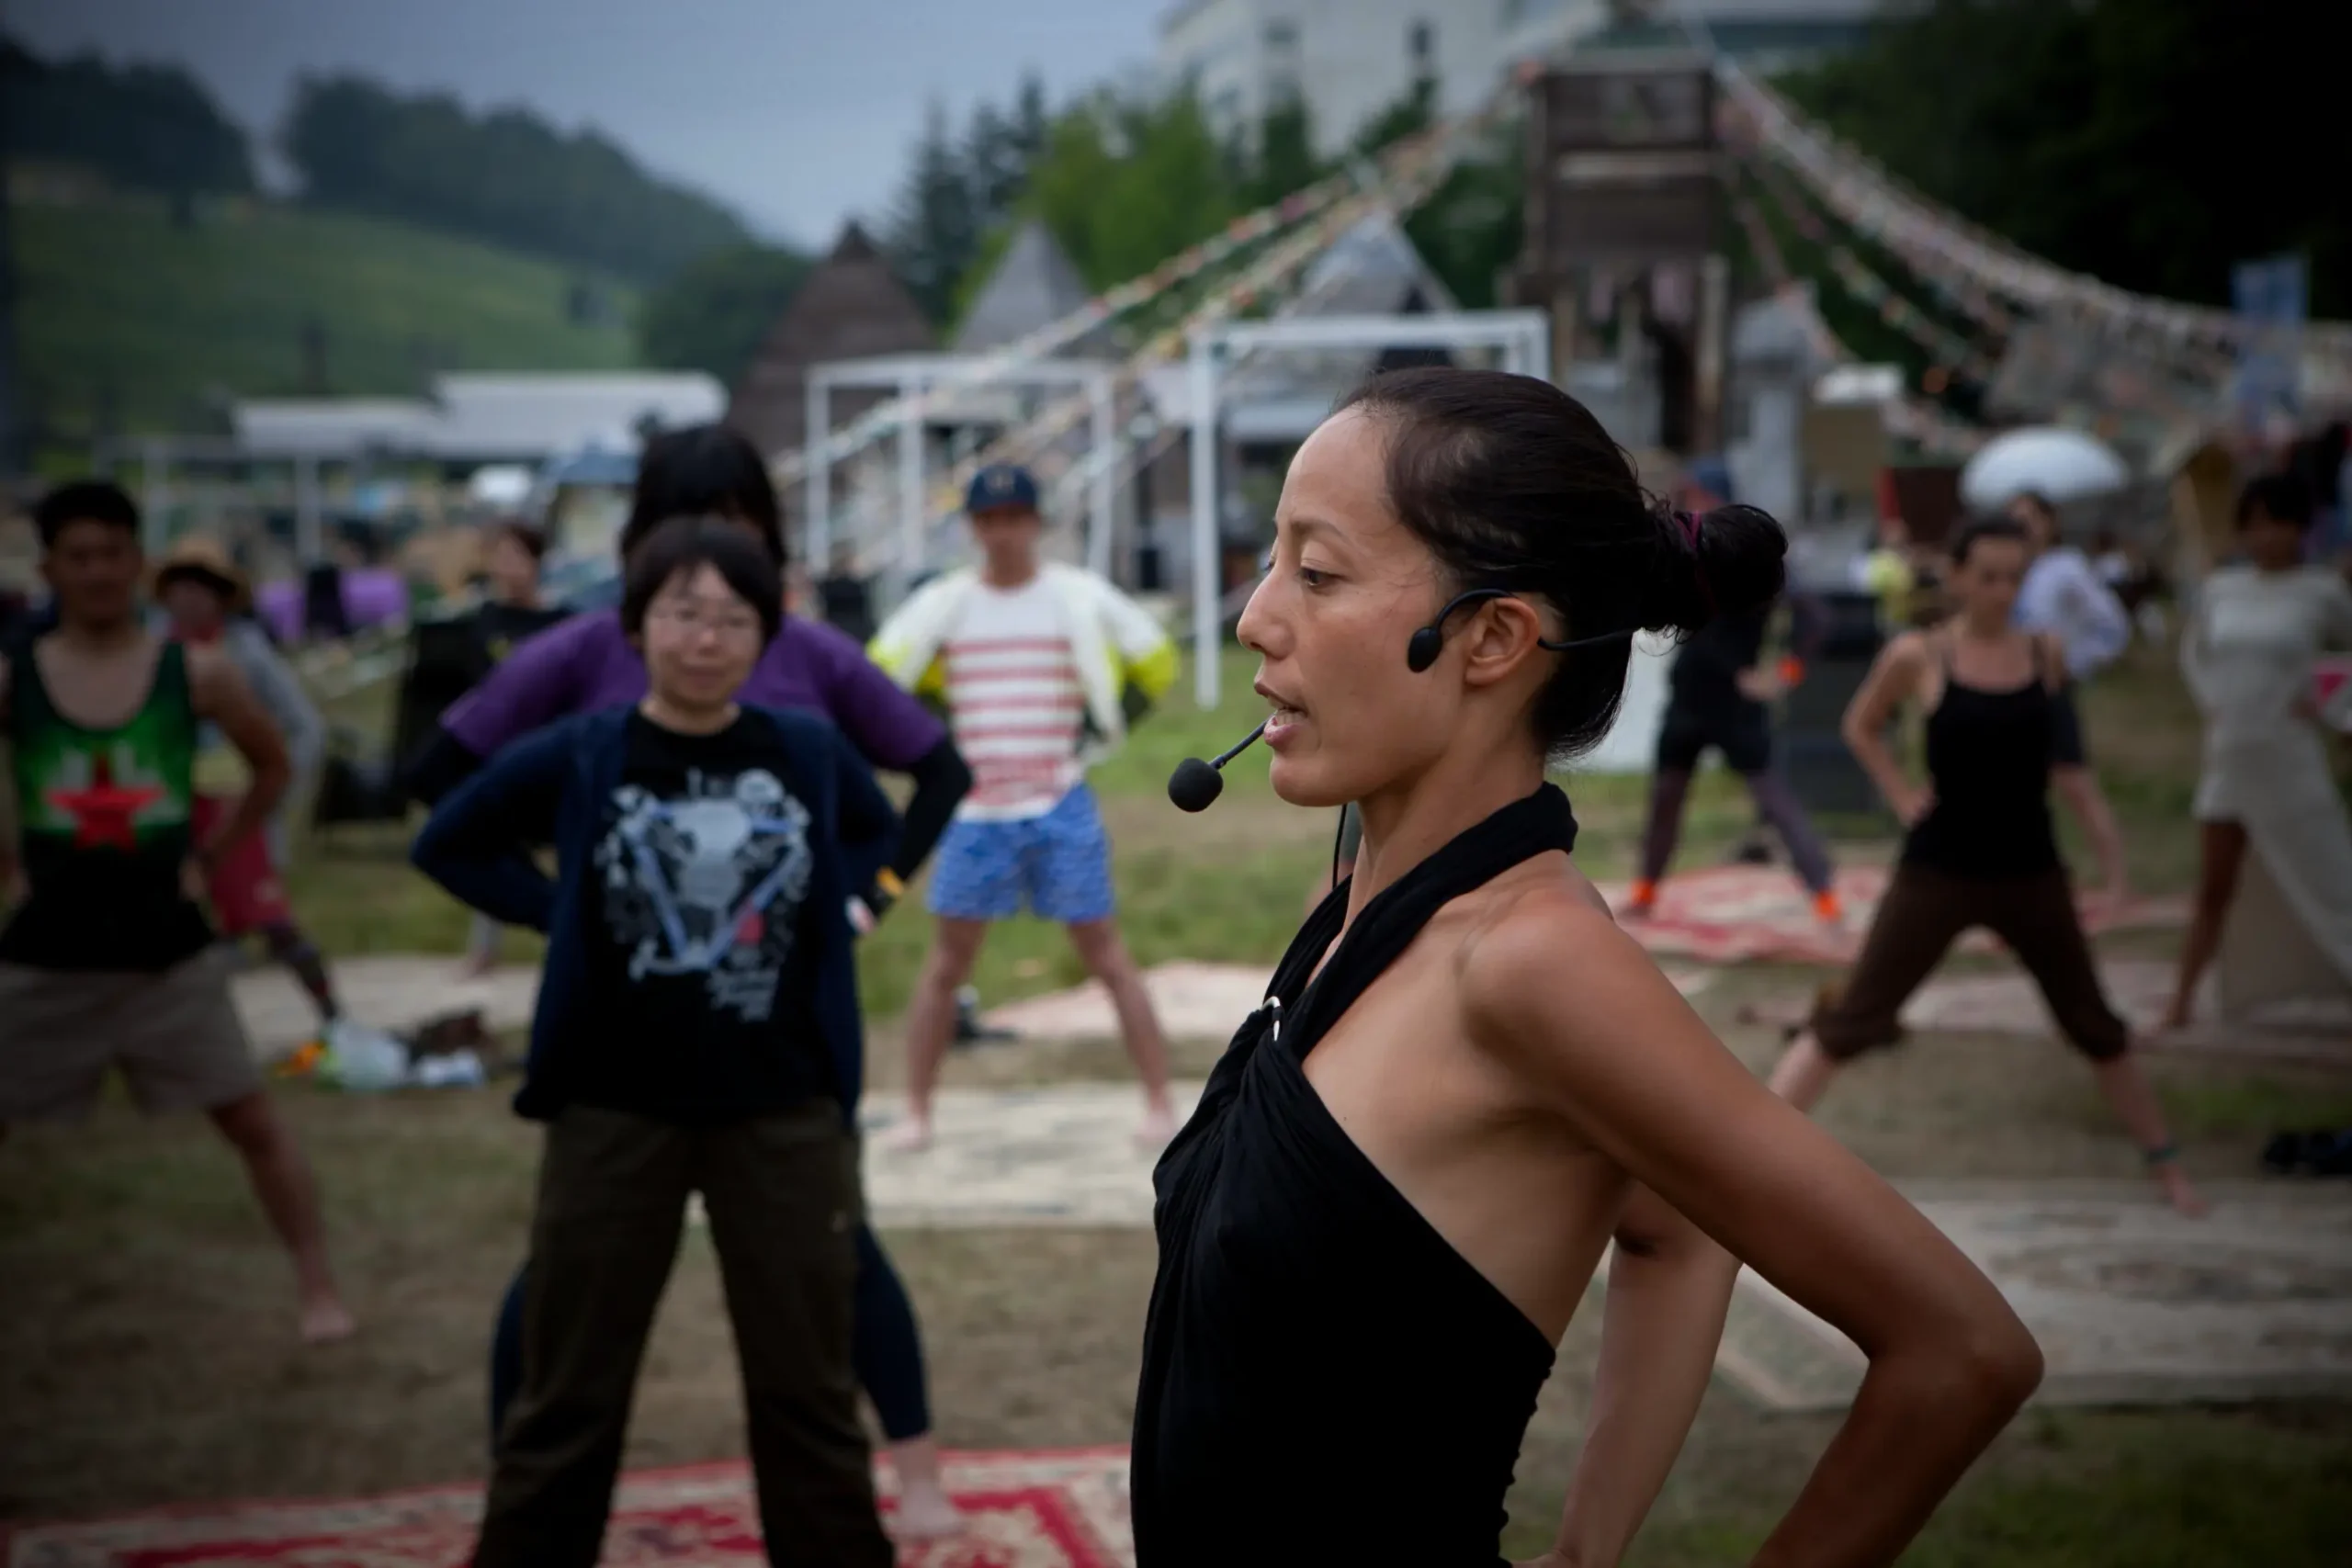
(1041, 668)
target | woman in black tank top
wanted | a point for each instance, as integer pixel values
(1465, 1081)
(1981, 849)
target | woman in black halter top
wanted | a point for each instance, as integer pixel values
(1466, 1081)
(1982, 849)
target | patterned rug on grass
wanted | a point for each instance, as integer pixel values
(1732, 914)
(1193, 1001)
(2131, 1303)
(1065, 1510)
(2007, 1003)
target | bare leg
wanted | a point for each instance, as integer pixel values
(925, 1511)
(1107, 959)
(1777, 804)
(281, 1179)
(1669, 790)
(1802, 1075)
(2133, 1097)
(931, 1022)
(2221, 853)
(481, 946)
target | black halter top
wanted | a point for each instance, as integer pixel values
(1325, 1378)
(1989, 756)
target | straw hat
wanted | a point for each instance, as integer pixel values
(208, 561)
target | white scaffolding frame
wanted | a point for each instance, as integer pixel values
(1525, 336)
(910, 376)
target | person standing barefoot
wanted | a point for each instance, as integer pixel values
(2249, 652)
(1981, 848)
(696, 1031)
(108, 963)
(1043, 666)
(589, 663)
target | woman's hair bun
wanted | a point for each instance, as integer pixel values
(1724, 562)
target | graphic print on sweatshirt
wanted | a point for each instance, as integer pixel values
(709, 882)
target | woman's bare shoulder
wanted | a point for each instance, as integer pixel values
(1551, 968)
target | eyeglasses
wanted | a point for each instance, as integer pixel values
(692, 620)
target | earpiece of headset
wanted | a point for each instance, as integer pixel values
(1422, 649)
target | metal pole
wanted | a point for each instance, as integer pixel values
(153, 496)
(308, 544)
(1208, 600)
(1104, 488)
(911, 499)
(1714, 332)
(821, 474)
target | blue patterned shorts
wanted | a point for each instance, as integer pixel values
(1059, 864)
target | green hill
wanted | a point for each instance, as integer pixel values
(116, 303)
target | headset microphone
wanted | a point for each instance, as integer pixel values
(1196, 785)
(1423, 647)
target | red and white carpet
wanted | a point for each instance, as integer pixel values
(1053, 1509)
(1732, 914)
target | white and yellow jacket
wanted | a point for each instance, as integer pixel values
(1118, 647)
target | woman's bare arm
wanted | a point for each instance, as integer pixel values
(219, 693)
(2079, 787)
(1669, 1287)
(1610, 1047)
(1894, 677)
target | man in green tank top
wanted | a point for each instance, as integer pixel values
(107, 959)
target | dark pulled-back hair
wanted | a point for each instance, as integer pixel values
(681, 546)
(83, 500)
(1989, 525)
(2282, 497)
(1513, 483)
(704, 470)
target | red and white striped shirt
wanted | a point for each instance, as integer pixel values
(1015, 702)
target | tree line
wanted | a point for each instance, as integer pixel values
(2148, 142)
(148, 128)
(1123, 178)
(504, 176)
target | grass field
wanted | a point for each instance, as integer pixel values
(150, 1357)
(1228, 884)
(115, 302)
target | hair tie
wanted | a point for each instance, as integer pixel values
(1691, 526)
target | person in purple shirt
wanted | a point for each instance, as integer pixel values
(588, 663)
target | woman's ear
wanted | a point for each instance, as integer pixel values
(1502, 636)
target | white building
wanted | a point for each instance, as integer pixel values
(470, 418)
(1346, 60)
(1349, 60)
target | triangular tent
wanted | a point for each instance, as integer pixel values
(1034, 285)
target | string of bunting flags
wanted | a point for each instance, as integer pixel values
(1908, 416)
(1938, 242)
(1399, 183)
(1237, 236)
(2147, 394)
(1898, 312)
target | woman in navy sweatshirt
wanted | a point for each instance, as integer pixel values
(697, 1031)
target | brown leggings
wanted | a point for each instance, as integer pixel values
(1924, 912)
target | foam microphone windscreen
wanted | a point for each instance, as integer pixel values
(1194, 784)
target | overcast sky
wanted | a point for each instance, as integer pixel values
(799, 113)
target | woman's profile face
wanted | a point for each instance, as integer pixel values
(1347, 586)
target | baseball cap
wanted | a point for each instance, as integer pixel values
(1003, 487)
(1711, 475)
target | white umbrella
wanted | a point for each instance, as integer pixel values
(2064, 465)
